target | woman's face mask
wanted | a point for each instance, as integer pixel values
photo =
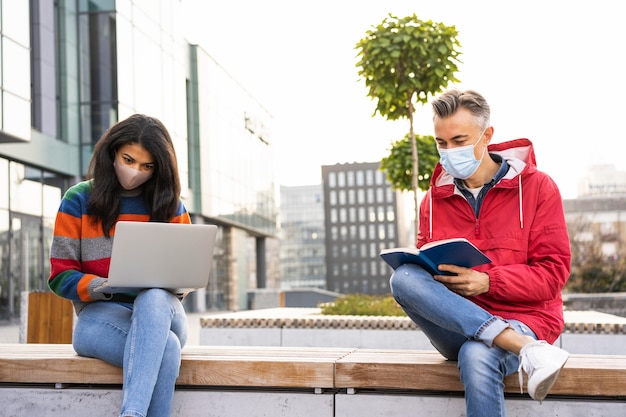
(460, 162)
(129, 178)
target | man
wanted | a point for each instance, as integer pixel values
(501, 317)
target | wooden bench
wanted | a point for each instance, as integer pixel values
(334, 368)
(582, 375)
(201, 366)
(336, 382)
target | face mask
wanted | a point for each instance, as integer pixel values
(130, 178)
(460, 162)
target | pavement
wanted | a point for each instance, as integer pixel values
(10, 333)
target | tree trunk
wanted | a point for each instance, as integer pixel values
(415, 176)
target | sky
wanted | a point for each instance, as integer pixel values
(552, 71)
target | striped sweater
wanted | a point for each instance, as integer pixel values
(80, 253)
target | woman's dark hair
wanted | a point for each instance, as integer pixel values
(161, 192)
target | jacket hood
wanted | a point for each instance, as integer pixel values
(518, 153)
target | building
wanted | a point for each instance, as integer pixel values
(597, 221)
(598, 216)
(302, 237)
(603, 180)
(72, 68)
(361, 213)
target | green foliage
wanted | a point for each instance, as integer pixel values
(363, 305)
(398, 165)
(403, 59)
(607, 276)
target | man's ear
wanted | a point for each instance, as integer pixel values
(488, 134)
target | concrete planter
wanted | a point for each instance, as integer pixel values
(586, 331)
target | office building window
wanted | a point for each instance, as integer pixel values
(332, 179)
(341, 179)
(350, 177)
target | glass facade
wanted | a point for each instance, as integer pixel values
(237, 179)
(15, 116)
(29, 199)
(98, 72)
(302, 237)
(92, 63)
(231, 175)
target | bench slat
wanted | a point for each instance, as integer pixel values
(428, 370)
(289, 367)
(218, 366)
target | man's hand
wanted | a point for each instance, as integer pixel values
(466, 282)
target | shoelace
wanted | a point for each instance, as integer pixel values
(523, 363)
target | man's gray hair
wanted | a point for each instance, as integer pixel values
(452, 100)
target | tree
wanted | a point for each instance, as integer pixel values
(592, 270)
(398, 164)
(407, 60)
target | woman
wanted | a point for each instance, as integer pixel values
(132, 176)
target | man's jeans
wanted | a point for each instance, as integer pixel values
(460, 330)
(145, 338)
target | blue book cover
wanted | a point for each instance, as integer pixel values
(460, 252)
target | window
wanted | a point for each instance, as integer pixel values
(359, 178)
(332, 179)
(98, 98)
(360, 198)
(342, 197)
(350, 176)
(43, 53)
(351, 198)
(341, 179)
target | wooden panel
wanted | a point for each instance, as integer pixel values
(427, 370)
(53, 363)
(50, 318)
(397, 369)
(219, 366)
(287, 367)
(260, 366)
(592, 375)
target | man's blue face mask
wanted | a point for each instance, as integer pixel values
(460, 162)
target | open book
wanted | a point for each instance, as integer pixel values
(459, 251)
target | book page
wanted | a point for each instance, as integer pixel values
(444, 241)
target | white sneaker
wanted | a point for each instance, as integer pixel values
(542, 363)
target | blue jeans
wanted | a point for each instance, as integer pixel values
(463, 331)
(145, 339)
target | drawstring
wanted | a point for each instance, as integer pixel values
(430, 208)
(521, 211)
(430, 212)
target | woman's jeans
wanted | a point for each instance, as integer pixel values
(463, 331)
(145, 339)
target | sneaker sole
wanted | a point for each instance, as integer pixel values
(542, 389)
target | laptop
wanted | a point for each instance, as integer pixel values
(177, 257)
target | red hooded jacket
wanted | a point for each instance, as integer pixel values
(521, 227)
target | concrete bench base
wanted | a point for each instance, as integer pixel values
(215, 402)
(437, 405)
(104, 402)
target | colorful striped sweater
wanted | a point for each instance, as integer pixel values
(80, 253)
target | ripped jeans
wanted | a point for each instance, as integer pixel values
(463, 331)
(145, 338)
